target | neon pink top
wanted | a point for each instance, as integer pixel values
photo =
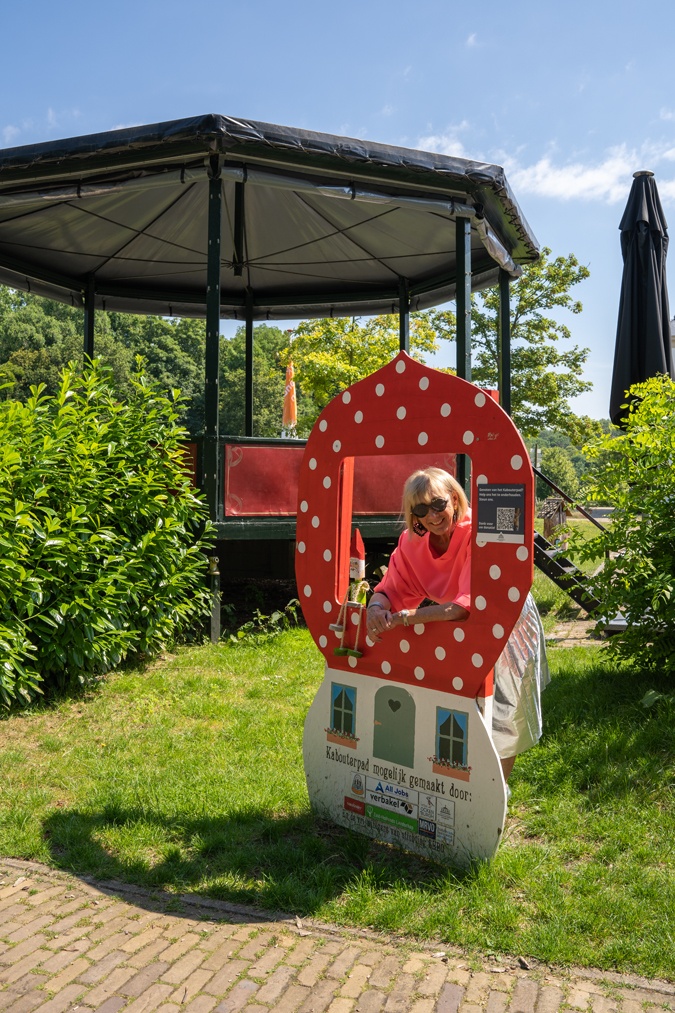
(416, 572)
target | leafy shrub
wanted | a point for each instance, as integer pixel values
(635, 471)
(262, 628)
(102, 538)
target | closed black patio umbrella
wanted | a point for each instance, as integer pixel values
(643, 330)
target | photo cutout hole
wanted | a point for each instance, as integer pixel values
(407, 409)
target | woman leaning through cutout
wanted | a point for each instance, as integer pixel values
(433, 561)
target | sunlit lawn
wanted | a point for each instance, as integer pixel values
(189, 776)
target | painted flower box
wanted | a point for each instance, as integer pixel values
(446, 769)
(341, 738)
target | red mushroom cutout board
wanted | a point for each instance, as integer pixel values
(395, 744)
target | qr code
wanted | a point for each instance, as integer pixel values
(506, 519)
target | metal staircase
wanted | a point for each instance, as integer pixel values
(562, 571)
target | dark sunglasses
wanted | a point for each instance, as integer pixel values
(422, 509)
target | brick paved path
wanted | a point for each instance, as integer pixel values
(69, 945)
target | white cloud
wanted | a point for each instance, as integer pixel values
(387, 110)
(667, 114)
(447, 143)
(9, 133)
(606, 179)
(472, 41)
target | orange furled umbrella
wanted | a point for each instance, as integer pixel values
(290, 414)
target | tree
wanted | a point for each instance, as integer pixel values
(557, 465)
(268, 381)
(39, 337)
(633, 470)
(543, 378)
(330, 354)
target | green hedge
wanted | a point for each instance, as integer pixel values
(102, 539)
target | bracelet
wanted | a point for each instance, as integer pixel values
(377, 605)
(405, 616)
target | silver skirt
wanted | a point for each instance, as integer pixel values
(521, 674)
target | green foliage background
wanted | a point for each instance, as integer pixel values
(634, 470)
(101, 534)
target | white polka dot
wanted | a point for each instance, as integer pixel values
(327, 555)
(312, 463)
(419, 629)
(400, 366)
(401, 413)
(337, 446)
(419, 673)
(405, 646)
(424, 383)
(327, 482)
(323, 641)
(440, 653)
(445, 410)
(386, 667)
(351, 661)
(479, 399)
(516, 462)
(497, 631)
(476, 660)
(355, 618)
(495, 572)
(422, 439)
(301, 546)
(379, 390)
(482, 480)
(315, 521)
(514, 594)
(358, 417)
(458, 634)
(480, 603)
(346, 397)
(304, 506)
(328, 607)
(522, 552)
(467, 438)
(481, 541)
(379, 441)
(323, 425)
(371, 643)
(457, 683)
(307, 591)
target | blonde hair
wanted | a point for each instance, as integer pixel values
(427, 484)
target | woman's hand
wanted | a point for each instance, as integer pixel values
(379, 619)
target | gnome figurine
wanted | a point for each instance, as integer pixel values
(354, 601)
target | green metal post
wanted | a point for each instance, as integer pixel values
(238, 254)
(210, 457)
(504, 342)
(211, 452)
(403, 317)
(463, 299)
(89, 308)
(248, 392)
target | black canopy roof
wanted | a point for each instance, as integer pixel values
(313, 224)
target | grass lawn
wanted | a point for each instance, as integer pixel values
(188, 777)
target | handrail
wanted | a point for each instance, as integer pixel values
(577, 506)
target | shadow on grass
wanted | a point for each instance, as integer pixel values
(601, 753)
(293, 864)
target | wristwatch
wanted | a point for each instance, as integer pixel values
(405, 615)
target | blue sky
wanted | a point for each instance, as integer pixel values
(571, 99)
